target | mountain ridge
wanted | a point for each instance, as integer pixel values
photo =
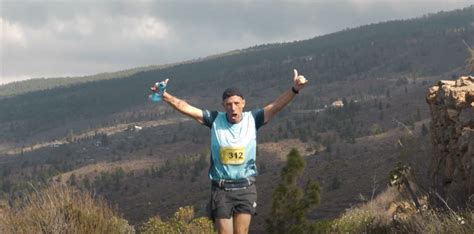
(41, 83)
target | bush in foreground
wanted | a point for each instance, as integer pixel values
(182, 222)
(392, 213)
(61, 209)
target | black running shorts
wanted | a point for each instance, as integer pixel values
(226, 203)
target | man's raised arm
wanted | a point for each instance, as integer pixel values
(271, 109)
(182, 106)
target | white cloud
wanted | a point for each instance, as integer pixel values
(79, 25)
(405, 5)
(83, 25)
(53, 38)
(152, 28)
(11, 34)
(147, 28)
(394, 2)
(58, 25)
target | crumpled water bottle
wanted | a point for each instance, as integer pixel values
(158, 89)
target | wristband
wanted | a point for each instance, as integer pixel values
(294, 90)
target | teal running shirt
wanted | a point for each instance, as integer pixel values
(233, 146)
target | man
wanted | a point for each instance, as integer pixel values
(233, 152)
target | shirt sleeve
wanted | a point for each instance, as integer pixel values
(259, 117)
(209, 117)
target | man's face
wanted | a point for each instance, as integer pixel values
(234, 106)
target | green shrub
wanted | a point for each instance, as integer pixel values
(321, 227)
(360, 221)
(182, 222)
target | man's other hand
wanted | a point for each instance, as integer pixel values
(298, 81)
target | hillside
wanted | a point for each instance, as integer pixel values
(37, 84)
(105, 136)
(418, 47)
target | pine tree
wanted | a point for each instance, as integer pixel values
(291, 203)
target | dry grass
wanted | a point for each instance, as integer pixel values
(61, 209)
(391, 212)
(370, 217)
(9, 149)
(431, 221)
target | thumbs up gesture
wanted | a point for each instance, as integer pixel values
(298, 81)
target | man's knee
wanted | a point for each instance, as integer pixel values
(224, 226)
(242, 222)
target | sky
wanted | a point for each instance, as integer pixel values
(60, 38)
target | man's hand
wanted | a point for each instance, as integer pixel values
(271, 109)
(298, 81)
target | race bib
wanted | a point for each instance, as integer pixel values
(232, 155)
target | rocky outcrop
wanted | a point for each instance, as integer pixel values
(452, 135)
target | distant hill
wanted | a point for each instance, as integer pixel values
(38, 84)
(428, 45)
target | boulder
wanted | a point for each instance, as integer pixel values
(452, 134)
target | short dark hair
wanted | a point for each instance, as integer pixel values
(229, 92)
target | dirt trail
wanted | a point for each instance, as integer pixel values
(111, 130)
